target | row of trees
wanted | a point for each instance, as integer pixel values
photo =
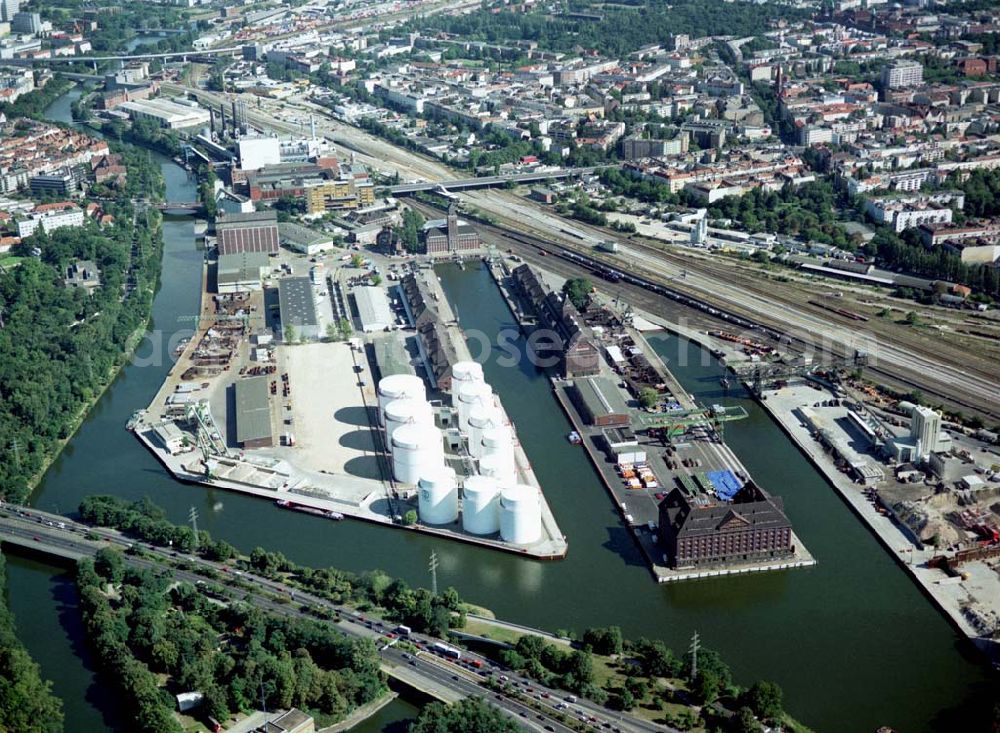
(469, 715)
(60, 346)
(807, 211)
(148, 630)
(620, 31)
(417, 608)
(27, 704)
(907, 254)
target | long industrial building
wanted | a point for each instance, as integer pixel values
(167, 114)
(253, 413)
(297, 305)
(579, 355)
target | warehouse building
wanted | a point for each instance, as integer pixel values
(253, 232)
(167, 114)
(578, 355)
(297, 305)
(303, 239)
(253, 413)
(600, 402)
(242, 271)
(701, 530)
(373, 309)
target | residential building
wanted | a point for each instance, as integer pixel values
(8, 9)
(29, 24)
(50, 220)
(901, 74)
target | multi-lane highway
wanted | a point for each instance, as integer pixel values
(437, 674)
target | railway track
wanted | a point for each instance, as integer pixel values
(651, 294)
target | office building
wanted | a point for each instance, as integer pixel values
(28, 24)
(8, 9)
(445, 236)
(925, 430)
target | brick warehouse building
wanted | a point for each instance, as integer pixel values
(450, 235)
(702, 531)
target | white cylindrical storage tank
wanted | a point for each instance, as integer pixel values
(438, 496)
(481, 417)
(405, 411)
(416, 450)
(397, 387)
(498, 441)
(465, 372)
(499, 468)
(481, 505)
(469, 394)
(520, 515)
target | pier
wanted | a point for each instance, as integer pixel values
(702, 447)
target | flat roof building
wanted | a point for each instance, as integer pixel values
(242, 271)
(167, 114)
(303, 239)
(253, 413)
(297, 304)
(373, 309)
(253, 232)
(599, 402)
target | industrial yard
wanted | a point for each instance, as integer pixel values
(690, 504)
(384, 419)
(941, 528)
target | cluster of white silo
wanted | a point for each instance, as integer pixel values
(406, 411)
(492, 501)
(398, 387)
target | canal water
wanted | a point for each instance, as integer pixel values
(853, 643)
